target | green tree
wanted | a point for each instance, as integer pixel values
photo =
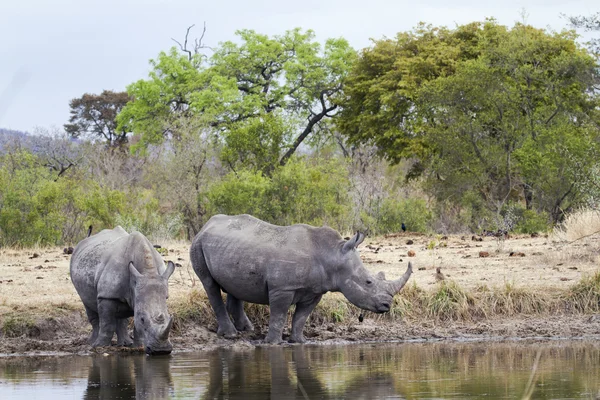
(94, 116)
(262, 97)
(589, 23)
(483, 108)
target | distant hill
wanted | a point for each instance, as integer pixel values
(8, 136)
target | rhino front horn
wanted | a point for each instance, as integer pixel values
(398, 284)
(164, 335)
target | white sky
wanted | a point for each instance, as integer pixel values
(54, 50)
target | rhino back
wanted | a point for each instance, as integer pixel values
(112, 278)
(86, 259)
(247, 256)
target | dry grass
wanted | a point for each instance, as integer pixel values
(577, 225)
(552, 278)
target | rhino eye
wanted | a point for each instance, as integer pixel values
(143, 320)
(369, 281)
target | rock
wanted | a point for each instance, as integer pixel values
(411, 253)
(35, 255)
(484, 254)
(68, 250)
(516, 254)
(422, 268)
(409, 242)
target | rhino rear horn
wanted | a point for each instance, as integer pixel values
(353, 242)
(169, 271)
(133, 271)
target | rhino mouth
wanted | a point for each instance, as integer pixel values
(159, 350)
(383, 308)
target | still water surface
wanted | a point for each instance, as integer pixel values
(555, 370)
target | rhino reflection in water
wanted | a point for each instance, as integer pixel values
(119, 275)
(285, 373)
(129, 377)
(257, 262)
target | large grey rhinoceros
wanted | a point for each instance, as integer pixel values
(257, 262)
(119, 275)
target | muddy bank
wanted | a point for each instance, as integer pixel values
(57, 339)
(522, 287)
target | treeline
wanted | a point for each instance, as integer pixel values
(448, 130)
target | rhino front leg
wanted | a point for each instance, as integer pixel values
(236, 308)
(107, 311)
(123, 338)
(279, 304)
(302, 312)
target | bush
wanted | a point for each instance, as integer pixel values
(413, 212)
(296, 193)
(532, 222)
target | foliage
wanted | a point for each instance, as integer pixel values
(485, 109)
(297, 193)
(263, 96)
(588, 23)
(94, 116)
(393, 212)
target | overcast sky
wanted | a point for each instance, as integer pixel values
(54, 50)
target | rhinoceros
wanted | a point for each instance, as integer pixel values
(257, 262)
(119, 275)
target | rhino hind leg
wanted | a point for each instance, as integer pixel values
(123, 338)
(213, 291)
(236, 308)
(95, 321)
(302, 312)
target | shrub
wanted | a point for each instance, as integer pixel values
(393, 212)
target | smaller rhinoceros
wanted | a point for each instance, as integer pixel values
(119, 275)
(254, 261)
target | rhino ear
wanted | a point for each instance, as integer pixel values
(380, 275)
(353, 242)
(169, 271)
(133, 271)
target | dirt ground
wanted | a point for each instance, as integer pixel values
(36, 282)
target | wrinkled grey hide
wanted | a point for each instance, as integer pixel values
(257, 262)
(118, 275)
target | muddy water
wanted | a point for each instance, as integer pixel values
(548, 370)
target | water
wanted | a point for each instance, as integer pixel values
(551, 370)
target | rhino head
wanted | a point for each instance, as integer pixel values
(152, 322)
(373, 293)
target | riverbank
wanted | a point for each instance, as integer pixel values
(492, 289)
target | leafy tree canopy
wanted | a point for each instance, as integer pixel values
(262, 96)
(482, 108)
(94, 116)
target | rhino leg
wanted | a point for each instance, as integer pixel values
(302, 312)
(279, 304)
(107, 310)
(213, 291)
(123, 338)
(236, 308)
(94, 320)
